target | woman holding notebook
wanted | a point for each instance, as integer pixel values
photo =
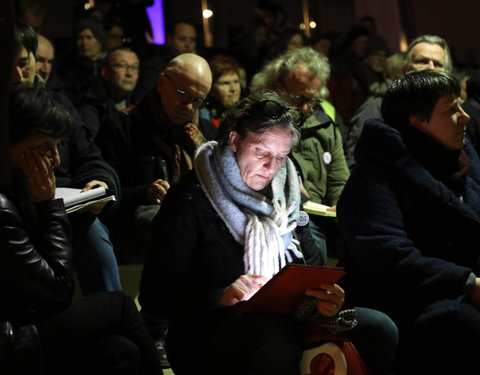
(222, 232)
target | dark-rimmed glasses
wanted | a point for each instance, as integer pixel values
(185, 96)
(123, 66)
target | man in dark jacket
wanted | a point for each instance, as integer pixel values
(113, 92)
(153, 145)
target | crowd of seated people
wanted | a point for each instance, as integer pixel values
(174, 132)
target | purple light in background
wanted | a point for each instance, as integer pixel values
(155, 14)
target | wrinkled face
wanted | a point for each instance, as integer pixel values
(182, 95)
(296, 41)
(45, 147)
(226, 89)
(447, 123)
(260, 156)
(44, 60)
(300, 88)
(23, 67)
(427, 56)
(88, 45)
(376, 61)
(121, 73)
(184, 39)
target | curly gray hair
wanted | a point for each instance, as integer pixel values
(277, 69)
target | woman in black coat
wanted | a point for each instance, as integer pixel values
(43, 331)
(410, 224)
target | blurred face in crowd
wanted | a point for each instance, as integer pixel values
(45, 56)
(260, 156)
(121, 73)
(359, 45)
(323, 46)
(182, 94)
(23, 67)
(376, 61)
(226, 89)
(296, 41)
(300, 88)
(114, 38)
(446, 124)
(88, 45)
(184, 39)
(427, 56)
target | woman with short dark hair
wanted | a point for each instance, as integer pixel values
(99, 334)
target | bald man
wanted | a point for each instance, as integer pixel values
(153, 143)
(44, 57)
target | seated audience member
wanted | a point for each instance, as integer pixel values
(81, 68)
(424, 52)
(347, 84)
(376, 54)
(81, 166)
(472, 107)
(99, 334)
(182, 38)
(222, 232)
(288, 40)
(103, 101)
(152, 146)
(226, 88)
(299, 77)
(115, 30)
(409, 218)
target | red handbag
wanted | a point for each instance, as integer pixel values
(329, 354)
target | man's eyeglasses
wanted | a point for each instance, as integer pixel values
(299, 100)
(275, 110)
(185, 96)
(123, 66)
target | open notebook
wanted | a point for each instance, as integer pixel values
(75, 199)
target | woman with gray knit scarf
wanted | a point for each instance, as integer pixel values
(224, 230)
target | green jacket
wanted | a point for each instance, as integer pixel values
(319, 156)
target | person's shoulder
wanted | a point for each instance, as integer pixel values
(207, 128)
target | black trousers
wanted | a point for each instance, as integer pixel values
(102, 333)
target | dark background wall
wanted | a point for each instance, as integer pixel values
(455, 20)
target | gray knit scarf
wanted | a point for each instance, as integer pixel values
(261, 224)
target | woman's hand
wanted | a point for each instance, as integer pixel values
(39, 172)
(242, 289)
(331, 298)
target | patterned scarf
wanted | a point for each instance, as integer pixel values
(177, 142)
(263, 225)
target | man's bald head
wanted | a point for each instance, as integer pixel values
(45, 55)
(183, 85)
(192, 66)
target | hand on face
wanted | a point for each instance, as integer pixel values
(39, 171)
(331, 298)
(242, 289)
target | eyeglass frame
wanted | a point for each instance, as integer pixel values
(300, 98)
(122, 65)
(184, 95)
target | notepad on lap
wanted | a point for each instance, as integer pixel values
(283, 292)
